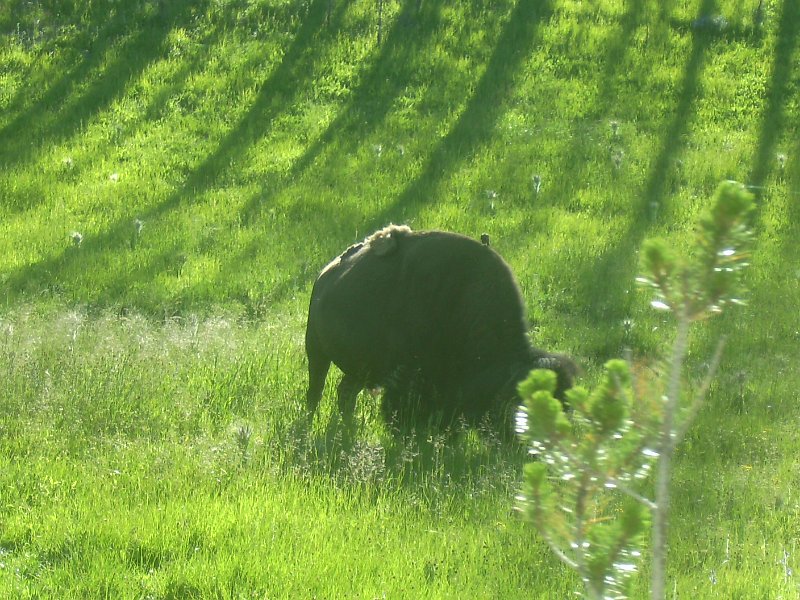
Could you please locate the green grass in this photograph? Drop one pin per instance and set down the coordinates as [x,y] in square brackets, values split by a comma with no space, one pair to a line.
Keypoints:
[173,460]
[214,155]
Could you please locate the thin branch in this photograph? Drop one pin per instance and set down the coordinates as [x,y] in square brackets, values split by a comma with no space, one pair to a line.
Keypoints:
[664,466]
[630,492]
[700,397]
[580,514]
[562,556]
[605,479]
[539,522]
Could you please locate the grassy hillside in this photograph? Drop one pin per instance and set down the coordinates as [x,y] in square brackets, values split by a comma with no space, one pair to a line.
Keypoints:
[173,175]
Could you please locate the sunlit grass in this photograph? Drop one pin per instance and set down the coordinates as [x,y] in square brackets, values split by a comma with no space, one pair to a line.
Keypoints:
[129,434]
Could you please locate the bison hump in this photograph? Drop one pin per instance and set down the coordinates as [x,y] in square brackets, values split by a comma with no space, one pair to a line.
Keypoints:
[384,241]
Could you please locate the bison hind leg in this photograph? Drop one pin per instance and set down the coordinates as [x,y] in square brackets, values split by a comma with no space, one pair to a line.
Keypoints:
[348,390]
[406,398]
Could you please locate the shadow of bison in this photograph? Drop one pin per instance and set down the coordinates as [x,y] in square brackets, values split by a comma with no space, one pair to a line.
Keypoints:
[434,318]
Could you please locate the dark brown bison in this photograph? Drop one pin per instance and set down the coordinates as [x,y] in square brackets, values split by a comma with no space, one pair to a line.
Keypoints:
[434,318]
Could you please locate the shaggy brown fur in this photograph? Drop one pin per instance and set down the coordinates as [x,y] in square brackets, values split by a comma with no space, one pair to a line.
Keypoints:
[435,318]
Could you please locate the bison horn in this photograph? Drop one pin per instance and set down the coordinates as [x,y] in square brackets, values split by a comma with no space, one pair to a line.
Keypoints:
[548,362]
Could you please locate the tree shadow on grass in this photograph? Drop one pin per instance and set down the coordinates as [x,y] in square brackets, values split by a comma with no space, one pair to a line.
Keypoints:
[572,171]
[372,100]
[174,84]
[793,190]
[612,275]
[604,104]
[609,278]
[369,103]
[60,112]
[272,97]
[475,126]
[278,92]
[767,176]
[780,88]
[603,283]
[654,198]
[783,270]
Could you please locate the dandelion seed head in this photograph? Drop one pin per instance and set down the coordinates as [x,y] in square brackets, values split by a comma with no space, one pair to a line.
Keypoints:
[660,305]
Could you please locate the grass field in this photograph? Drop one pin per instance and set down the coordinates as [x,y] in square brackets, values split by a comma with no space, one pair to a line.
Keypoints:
[173,175]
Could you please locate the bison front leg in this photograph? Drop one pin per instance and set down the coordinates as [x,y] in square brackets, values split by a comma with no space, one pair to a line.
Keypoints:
[348,390]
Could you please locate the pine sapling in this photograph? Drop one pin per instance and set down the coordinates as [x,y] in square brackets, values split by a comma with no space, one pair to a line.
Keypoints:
[584,492]
[692,288]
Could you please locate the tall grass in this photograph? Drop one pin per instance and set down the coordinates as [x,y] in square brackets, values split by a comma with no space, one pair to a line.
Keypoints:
[172,459]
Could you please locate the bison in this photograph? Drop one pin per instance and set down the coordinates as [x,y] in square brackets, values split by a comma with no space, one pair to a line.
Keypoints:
[435,318]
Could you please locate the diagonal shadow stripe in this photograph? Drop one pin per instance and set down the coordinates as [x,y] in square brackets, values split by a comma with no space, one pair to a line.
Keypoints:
[476,124]
[473,129]
[367,107]
[271,99]
[371,99]
[64,111]
[294,65]
[616,268]
[672,142]
[779,92]
[569,175]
